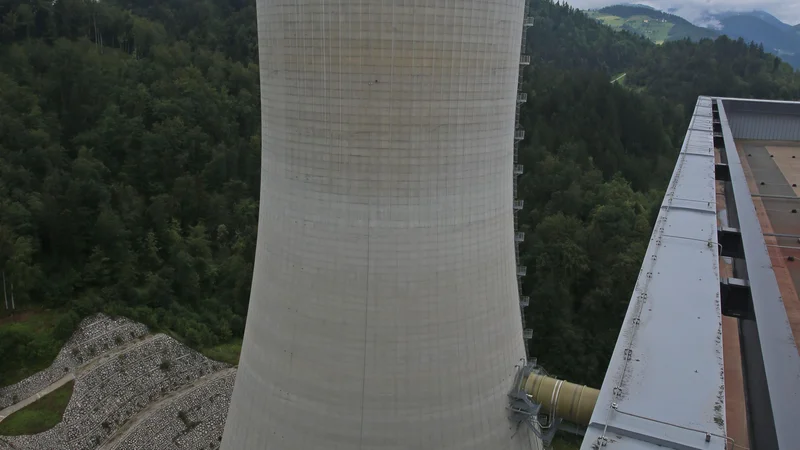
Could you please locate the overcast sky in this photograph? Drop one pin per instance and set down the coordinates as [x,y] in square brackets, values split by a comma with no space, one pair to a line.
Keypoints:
[786,10]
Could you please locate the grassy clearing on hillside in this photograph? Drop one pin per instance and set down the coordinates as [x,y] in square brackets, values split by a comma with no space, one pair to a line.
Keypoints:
[29,341]
[227,352]
[653,29]
[610,20]
[40,415]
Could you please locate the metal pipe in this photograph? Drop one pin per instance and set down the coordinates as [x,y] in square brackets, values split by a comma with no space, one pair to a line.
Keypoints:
[782,235]
[784,197]
[573,402]
[784,247]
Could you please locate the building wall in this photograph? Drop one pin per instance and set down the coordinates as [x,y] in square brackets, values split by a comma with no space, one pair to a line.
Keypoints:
[765,127]
[384,310]
[766,121]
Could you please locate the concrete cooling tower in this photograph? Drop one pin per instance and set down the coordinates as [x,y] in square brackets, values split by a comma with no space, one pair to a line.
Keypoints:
[384,312]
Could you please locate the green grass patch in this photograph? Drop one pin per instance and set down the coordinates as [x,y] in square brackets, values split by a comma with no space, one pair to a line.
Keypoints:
[40,415]
[654,29]
[619,78]
[29,341]
[227,352]
[566,441]
[607,19]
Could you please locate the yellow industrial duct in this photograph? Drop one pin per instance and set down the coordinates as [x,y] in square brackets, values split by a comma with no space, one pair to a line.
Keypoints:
[573,402]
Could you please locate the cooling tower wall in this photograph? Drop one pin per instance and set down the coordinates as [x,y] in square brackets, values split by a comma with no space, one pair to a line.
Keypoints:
[384,310]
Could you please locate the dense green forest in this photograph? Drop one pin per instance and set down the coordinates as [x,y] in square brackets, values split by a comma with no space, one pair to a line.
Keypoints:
[129,165]
[130,154]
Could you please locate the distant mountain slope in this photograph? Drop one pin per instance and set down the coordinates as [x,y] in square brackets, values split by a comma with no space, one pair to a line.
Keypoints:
[769,18]
[758,26]
[762,15]
[655,25]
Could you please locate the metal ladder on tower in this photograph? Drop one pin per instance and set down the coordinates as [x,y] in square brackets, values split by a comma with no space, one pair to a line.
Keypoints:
[519,135]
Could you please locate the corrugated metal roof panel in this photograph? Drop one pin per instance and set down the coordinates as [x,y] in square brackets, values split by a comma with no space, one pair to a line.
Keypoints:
[764,127]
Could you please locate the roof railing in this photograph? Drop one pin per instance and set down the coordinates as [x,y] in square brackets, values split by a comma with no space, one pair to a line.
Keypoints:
[528,21]
[527,333]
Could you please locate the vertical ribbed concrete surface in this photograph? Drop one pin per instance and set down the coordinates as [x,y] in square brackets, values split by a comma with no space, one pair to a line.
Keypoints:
[384,310]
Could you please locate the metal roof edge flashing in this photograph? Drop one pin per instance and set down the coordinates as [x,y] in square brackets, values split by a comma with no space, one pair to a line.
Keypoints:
[664,386]
[781,361]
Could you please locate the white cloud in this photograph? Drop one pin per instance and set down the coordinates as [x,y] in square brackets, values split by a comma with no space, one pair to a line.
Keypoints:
[692,10]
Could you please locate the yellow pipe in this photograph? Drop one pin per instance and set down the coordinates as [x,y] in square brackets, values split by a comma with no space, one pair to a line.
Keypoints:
[574,402]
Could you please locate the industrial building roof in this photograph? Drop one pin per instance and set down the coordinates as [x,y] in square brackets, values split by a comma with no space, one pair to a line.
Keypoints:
[665,385]
[775,381]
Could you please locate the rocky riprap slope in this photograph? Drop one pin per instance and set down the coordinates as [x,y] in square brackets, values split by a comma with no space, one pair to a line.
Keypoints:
[96,336]
[194,419]
[132,391]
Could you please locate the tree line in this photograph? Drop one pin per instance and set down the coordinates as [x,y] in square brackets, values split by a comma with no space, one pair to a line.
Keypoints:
[129,164]
[130,156]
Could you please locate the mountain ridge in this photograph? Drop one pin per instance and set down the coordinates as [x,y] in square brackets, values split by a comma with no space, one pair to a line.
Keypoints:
[761,27]
[757,13]
[757,26]
[656,25]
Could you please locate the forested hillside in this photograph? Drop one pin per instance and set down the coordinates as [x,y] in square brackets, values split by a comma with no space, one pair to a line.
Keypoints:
[130,154]
[597,158]
[129,165]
